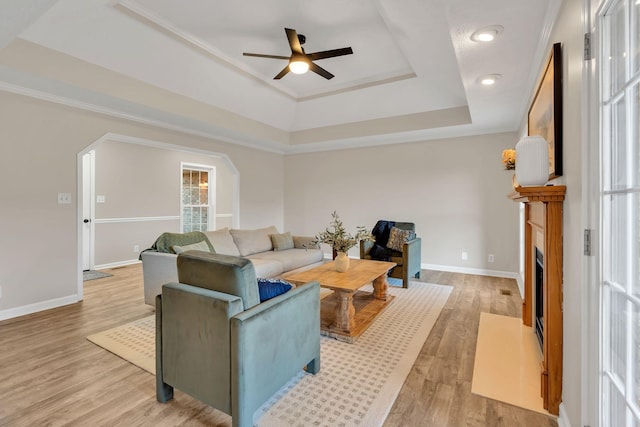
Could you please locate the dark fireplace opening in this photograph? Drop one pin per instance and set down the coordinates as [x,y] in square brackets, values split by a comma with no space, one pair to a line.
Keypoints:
[539,298]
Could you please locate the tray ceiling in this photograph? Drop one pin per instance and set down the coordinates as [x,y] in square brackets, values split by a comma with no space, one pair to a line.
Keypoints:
[414,73]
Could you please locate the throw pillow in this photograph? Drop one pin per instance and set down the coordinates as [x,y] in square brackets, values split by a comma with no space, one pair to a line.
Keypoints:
[271,288]
[282,241]
[398,237]
[200,246]
[222,242]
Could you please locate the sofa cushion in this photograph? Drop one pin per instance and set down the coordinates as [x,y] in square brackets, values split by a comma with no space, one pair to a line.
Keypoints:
[200,246]
[291,258]
[266,267]
[271,288]
[398,237]
[253,241]
[222,242]
[282,242]
[223,273]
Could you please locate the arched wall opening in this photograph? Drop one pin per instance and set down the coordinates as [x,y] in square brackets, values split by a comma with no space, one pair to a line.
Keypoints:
[135,196]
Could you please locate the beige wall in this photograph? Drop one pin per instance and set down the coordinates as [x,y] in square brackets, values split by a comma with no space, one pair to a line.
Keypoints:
[568,31]
[455,190]
[40,142]
[138,182]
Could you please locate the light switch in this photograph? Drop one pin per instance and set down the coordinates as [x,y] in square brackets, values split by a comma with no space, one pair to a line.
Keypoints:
[64,198]
[100,199]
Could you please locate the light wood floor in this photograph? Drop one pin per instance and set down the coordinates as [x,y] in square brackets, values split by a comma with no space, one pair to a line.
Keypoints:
[51,375]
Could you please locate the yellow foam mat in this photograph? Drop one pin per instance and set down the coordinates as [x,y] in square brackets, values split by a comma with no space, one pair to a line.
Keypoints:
[508,362]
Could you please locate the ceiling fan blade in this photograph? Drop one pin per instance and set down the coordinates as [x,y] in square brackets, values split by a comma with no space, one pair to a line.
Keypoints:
[329,53]
[319,70]
[259,55]
[282,73]
[294,42]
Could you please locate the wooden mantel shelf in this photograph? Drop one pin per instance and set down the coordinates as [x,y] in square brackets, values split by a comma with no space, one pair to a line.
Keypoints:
[543,231]
[548,193]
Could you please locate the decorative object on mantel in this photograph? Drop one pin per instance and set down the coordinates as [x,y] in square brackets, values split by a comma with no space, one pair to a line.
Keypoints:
[533,161]
[545,113]
[340,241]
[509,159]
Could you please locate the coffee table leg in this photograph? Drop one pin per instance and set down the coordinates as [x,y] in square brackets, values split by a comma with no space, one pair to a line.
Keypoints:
[380,286]
[345,311]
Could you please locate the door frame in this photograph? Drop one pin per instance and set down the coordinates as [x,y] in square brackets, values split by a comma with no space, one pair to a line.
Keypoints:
[88,209]
[591,219]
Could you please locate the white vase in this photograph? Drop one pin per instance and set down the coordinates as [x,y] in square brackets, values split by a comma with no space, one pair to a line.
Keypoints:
[532,161]
[342,262]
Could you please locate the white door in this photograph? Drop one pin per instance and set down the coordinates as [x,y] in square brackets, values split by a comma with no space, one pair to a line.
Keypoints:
[619,296]
[88,165]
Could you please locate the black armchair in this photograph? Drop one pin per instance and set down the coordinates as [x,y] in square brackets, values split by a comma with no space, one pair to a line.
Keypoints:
[404,249]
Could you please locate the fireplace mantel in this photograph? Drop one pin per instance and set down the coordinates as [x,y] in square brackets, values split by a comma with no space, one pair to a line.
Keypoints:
[543,230]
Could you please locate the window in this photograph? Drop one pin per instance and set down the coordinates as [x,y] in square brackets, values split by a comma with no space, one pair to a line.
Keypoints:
[620,204]
[198,188]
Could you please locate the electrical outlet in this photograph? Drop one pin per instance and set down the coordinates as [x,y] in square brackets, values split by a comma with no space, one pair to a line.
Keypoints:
[101,199]
[465,256]
[490,258]
[136,248]
[64,198]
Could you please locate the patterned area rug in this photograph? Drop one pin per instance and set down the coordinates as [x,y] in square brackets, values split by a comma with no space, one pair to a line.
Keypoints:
[357,383]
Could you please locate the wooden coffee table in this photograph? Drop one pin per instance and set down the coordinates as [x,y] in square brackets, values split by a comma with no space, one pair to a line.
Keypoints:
[347,313]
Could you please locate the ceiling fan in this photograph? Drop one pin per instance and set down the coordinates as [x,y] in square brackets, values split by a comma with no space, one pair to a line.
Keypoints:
[300,61]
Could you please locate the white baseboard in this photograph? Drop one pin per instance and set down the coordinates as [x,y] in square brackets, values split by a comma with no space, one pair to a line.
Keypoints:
[10,313]
[520,281]
[563,419]
[117,264]
[466,270]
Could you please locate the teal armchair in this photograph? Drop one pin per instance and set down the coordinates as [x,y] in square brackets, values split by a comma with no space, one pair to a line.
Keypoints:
[216,342]
[408,256]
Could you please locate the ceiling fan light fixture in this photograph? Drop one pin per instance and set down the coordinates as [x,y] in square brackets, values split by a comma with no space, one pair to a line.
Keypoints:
[298,66]
[300,62]
[487,34]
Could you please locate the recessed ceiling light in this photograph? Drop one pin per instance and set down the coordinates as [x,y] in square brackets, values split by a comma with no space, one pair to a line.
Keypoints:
[487,34]
[489,79]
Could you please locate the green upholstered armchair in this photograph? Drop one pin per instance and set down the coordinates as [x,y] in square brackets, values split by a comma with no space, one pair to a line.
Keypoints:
[216,342]
[408,259]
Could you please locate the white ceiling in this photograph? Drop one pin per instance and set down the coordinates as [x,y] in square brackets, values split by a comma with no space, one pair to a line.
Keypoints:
[413,75]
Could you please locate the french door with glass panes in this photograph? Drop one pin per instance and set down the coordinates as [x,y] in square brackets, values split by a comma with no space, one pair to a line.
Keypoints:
[197,198]
[619,58]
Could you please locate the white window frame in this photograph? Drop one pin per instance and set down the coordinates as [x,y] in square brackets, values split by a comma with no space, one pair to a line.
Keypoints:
[600,382]
[211,170]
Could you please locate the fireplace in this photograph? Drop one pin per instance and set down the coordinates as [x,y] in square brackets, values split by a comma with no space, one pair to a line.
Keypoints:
[542,293]
[539,297]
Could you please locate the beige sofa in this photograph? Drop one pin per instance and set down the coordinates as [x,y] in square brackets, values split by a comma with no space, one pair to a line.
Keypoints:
[257,245]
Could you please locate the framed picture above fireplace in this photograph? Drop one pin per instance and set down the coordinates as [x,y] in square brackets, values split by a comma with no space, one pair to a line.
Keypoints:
[545,113]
